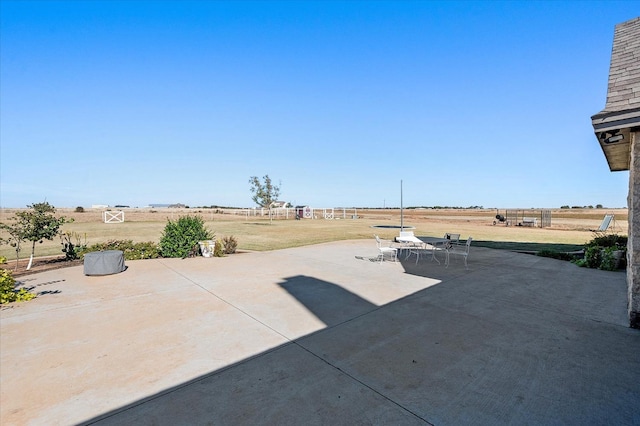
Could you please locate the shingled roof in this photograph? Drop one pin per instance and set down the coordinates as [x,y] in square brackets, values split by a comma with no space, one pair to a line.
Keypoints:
[621,114]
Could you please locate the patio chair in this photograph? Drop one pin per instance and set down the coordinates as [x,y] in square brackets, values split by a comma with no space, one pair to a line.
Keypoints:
[453,238]
[385,250]
[458,250]
[606,222]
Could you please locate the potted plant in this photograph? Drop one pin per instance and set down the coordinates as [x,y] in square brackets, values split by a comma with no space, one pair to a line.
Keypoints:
[606,252]
[207,248]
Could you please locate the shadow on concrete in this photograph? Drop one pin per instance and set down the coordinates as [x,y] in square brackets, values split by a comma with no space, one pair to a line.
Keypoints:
[285,385]
[542,343]
[329,302]
[529,247]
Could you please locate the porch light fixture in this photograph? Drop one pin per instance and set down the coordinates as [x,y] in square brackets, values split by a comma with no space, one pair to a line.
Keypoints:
[613,139]
[614,136]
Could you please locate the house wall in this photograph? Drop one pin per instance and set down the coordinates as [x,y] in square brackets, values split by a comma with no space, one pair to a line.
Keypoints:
[633,247]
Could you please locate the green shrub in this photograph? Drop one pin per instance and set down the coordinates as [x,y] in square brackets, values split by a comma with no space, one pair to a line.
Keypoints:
[180,236]
[79,209]
[230,244]
[72,245]
[609,240]
[593,256]
[218,250]
[131,250]
[581,262]
[610,260]
[8,291]
[600,252]
[555,254]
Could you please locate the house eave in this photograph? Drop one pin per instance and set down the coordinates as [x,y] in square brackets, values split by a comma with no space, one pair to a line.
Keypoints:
[611,120]
[606,123]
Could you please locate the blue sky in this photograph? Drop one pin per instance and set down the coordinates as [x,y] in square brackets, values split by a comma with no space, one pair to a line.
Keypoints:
[468,103]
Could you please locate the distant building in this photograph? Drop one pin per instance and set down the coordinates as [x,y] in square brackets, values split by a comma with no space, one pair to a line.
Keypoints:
[279,204]
[303,212]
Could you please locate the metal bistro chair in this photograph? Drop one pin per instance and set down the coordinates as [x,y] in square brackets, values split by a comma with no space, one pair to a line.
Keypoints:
[385,250]
[453,238]
[449,239]
[458,250]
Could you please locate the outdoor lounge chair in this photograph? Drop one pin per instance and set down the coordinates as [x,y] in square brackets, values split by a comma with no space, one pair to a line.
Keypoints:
[460,250]
[386,250]
[408,241]
[606,222]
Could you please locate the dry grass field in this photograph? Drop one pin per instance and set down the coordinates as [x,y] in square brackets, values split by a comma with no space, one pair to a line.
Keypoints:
[568,226]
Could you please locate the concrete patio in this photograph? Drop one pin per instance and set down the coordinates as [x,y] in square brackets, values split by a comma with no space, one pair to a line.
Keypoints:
[314,335]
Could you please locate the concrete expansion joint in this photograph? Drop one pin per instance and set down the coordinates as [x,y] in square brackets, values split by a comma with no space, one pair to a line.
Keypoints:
[297,342]
[361,382]
[228,303]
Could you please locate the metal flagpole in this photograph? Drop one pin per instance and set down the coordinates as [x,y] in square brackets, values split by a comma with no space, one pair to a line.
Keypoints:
[401,209]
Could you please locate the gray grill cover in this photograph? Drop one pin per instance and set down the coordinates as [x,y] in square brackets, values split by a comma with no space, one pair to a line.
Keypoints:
[104,262]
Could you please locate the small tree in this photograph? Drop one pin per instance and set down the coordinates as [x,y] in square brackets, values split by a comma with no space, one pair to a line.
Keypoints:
[264,194]
[16,236]
[38,224]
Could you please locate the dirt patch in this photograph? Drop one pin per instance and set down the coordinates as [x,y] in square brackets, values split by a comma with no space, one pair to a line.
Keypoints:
[41,264]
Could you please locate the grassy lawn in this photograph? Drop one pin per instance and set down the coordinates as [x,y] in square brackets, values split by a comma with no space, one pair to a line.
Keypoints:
[569,232]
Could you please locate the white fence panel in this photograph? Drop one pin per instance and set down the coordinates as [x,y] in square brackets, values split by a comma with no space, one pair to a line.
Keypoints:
[113,217]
